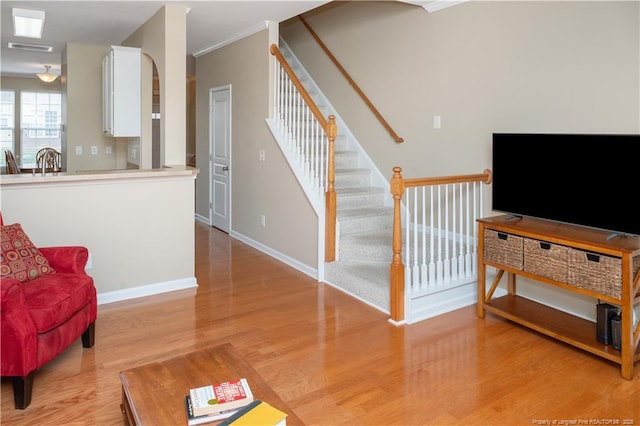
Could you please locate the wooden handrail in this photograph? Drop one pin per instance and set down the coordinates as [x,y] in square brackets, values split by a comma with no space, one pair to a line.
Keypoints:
[353,84]
[486,177]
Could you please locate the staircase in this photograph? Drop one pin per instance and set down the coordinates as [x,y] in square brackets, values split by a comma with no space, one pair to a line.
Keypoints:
[364,245]
[364,212]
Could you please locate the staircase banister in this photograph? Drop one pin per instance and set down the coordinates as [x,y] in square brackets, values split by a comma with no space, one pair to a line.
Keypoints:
[486,176]
[353,84]
[398,185]
[296,82]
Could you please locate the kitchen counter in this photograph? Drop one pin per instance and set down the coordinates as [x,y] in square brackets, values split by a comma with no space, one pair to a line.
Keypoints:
[95,175]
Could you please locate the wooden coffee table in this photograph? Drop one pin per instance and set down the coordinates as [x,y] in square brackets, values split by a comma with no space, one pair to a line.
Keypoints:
[153,394]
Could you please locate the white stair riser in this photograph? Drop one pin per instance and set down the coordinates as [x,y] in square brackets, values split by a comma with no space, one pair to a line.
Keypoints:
[346,160]
[341,143]
[349,180]
[369,199]
[357,252]
[363,224]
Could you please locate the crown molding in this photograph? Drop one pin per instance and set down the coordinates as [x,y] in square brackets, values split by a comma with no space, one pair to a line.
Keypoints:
[243,34]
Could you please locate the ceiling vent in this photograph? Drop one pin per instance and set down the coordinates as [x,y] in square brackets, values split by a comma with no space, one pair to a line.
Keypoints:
[32,47]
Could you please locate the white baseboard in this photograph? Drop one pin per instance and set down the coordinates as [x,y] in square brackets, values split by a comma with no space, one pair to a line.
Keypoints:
[146,290]
[434,304]
[305,269]
[202,219]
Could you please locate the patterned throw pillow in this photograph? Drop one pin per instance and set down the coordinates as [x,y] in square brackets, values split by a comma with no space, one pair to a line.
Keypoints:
[19,258]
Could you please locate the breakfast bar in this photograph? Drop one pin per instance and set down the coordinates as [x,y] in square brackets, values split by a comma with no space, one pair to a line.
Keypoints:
[137,224]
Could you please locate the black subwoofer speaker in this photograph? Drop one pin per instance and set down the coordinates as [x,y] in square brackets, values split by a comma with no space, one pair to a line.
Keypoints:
[605,312]
[615,332]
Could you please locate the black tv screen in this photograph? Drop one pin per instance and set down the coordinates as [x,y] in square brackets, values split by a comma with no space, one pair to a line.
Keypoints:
[583,179]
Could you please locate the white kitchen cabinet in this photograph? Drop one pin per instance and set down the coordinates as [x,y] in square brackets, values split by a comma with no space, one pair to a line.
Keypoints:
[121,91]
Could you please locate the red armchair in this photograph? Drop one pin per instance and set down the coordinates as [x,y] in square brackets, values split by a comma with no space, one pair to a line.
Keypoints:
[42,315]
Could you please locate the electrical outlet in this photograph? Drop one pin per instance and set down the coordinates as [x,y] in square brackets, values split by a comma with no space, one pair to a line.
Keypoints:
[79,150]
[436,122]
[109,150]
[262,155]
[263,220]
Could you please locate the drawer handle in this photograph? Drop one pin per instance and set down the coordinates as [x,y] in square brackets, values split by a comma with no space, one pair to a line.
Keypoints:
[593,257]
[545,246]
[503,236]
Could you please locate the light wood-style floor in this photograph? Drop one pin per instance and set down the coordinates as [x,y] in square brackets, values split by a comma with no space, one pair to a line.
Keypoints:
[333,359]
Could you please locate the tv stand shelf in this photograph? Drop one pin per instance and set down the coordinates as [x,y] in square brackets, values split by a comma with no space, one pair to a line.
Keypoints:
[541,250]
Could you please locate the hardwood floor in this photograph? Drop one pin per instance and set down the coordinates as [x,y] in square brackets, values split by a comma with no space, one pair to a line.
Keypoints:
[333,359]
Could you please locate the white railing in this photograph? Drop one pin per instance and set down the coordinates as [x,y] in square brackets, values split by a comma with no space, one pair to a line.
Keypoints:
[307,140]
[440,234]
[437,232]
[304,137]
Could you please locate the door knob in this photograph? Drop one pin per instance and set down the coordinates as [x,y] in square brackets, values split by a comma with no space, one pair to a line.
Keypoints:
[225,168]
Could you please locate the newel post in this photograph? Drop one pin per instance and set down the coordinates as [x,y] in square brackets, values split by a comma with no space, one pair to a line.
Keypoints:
[330,195]
[397,267]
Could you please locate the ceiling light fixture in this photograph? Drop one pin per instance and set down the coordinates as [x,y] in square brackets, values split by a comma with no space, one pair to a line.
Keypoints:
[46,76]
[27,23]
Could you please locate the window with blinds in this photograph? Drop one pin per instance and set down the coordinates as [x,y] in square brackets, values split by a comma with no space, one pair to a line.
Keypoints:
[40,123]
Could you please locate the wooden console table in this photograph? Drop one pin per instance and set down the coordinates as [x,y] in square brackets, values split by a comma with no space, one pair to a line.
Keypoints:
[153,394]
[574,258]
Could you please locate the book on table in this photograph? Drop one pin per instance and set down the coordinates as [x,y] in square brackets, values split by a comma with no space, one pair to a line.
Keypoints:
[256,413]
[219,397]
[193,420]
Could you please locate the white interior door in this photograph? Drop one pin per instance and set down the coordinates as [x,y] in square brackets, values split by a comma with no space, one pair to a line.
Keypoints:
[220,157]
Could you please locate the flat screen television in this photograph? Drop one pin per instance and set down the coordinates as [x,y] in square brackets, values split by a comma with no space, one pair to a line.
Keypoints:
[590,180]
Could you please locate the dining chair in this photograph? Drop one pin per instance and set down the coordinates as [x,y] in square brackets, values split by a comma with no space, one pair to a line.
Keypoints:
[12,165]
[49,159]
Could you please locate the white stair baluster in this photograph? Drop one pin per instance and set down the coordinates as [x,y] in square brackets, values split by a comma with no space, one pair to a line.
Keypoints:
[454,238]
[447,257]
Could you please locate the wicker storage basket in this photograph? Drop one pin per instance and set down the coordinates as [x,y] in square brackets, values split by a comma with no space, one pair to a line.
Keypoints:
[635,266]
[546,259]
[595,272]
[504,249]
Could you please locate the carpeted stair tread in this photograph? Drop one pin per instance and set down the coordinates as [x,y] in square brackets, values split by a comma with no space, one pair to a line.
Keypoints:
[373,246]
[368,281]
